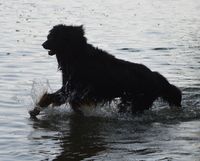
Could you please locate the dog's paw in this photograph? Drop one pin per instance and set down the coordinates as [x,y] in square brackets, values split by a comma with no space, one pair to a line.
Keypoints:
[33,113]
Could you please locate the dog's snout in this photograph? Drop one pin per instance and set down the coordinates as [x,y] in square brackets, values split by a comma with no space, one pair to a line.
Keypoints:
[44,45]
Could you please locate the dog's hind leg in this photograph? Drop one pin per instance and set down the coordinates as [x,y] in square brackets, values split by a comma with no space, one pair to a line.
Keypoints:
[123,105]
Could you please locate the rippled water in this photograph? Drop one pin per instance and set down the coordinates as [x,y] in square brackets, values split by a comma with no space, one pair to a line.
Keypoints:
[162,34]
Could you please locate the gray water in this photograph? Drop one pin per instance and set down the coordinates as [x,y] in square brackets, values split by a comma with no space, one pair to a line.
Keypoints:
[162,34]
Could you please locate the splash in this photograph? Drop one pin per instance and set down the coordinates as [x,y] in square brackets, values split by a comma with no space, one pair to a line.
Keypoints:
[160,112]
[39,88]
[37,91]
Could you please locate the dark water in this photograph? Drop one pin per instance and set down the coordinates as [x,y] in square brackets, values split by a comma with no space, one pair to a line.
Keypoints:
[162,34]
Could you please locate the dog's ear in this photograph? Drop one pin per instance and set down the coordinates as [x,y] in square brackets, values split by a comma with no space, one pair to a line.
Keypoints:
[77,36]
[80,30]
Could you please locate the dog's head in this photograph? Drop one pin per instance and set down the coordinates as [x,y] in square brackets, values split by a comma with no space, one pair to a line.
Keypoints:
[63,38]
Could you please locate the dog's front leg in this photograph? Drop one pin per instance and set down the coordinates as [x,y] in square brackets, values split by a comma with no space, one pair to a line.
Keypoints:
[75,105]
[44,102]
[56,99]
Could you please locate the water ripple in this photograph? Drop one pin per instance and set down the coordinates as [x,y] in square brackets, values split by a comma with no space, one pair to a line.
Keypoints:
[163,36]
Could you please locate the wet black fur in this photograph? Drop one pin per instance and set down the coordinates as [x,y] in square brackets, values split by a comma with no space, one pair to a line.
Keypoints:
[91,75]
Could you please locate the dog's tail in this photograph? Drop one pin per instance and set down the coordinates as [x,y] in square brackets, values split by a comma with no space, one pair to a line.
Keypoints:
[172,95]
[169,92]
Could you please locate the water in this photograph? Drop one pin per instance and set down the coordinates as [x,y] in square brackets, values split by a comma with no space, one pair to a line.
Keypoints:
[164,35]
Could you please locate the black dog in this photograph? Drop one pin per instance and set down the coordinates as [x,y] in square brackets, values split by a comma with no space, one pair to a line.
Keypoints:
[91,75]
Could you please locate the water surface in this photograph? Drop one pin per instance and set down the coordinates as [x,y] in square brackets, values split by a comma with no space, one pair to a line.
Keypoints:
[164,35]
